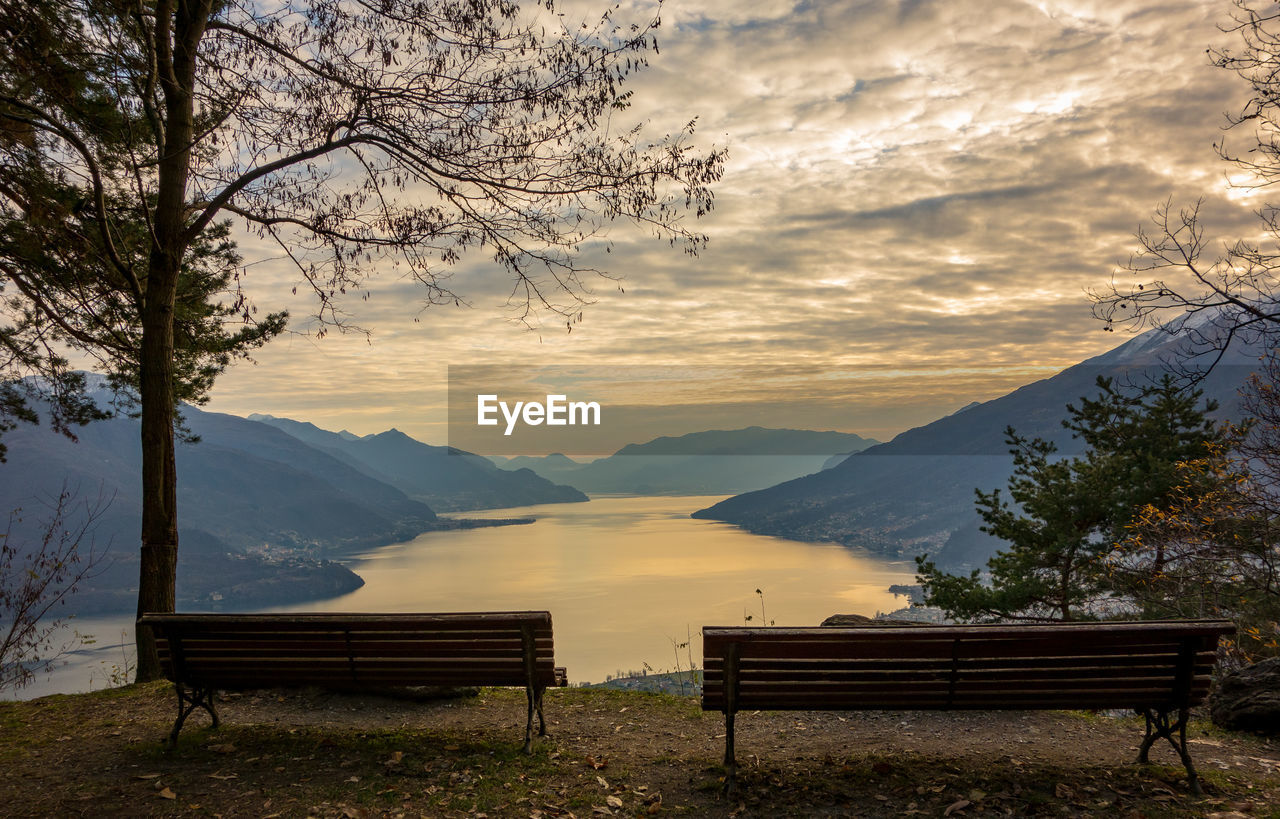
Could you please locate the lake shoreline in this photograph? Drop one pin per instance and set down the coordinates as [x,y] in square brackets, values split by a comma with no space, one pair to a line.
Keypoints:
[626,579]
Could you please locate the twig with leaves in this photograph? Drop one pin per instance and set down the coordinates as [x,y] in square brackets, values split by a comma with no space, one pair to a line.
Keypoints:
[35,580]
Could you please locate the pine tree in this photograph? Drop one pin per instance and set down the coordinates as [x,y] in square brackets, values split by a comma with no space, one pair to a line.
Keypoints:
[1063,516]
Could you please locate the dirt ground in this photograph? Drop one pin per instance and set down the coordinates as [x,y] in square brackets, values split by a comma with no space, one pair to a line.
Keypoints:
[609,753]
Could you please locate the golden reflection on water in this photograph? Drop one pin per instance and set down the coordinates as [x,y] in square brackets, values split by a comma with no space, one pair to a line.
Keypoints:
[623,578]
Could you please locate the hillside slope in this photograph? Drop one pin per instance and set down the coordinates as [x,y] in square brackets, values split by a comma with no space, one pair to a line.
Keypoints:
[915,494]
[446,478]
[703,463]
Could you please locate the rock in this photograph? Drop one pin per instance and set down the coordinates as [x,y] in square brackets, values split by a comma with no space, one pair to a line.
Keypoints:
[850,620]
[1248,699]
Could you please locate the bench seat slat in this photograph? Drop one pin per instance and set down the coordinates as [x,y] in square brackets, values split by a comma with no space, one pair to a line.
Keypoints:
[889,703]
[887,650]
[759,664]
[1027,686]
[931,693]
[1006,678]
[192,647]
[766,665]
[987,632]
[343,678]
[511,639]
[373,621]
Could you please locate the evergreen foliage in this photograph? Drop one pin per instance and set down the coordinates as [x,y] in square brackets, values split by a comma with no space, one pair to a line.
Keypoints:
[1063,516]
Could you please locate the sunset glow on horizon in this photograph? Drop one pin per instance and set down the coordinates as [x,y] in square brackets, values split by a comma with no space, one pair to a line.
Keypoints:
[918,195]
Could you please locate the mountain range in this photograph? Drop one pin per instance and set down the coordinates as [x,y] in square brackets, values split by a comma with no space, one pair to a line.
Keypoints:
[445,478]
[700,463]
[915,494]
[261,511]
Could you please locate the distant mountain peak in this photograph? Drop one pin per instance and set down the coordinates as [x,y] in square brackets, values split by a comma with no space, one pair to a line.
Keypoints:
[753,440]
[447,479]
[915,494]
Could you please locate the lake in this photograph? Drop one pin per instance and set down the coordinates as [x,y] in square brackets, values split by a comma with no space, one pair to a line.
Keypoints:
[626,579]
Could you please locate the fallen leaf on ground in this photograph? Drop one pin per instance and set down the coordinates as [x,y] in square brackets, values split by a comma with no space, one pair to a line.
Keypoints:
[167,794]
[959,804]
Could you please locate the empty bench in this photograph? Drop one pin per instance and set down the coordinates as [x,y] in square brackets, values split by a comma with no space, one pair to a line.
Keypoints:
[1158,668]
[204,653]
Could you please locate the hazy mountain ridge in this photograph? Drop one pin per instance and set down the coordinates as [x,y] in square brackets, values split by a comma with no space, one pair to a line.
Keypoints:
[915,494]
[258,510]
[445,478]
[709,462]
[752,440]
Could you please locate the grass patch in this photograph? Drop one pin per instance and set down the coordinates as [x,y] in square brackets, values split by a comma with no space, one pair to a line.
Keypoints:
[631,753]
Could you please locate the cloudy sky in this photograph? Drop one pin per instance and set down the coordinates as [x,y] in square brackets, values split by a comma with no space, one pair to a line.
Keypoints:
[918,195]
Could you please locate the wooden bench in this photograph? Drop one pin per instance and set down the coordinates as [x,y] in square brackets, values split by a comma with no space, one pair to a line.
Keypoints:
[1158,668]
[202,653]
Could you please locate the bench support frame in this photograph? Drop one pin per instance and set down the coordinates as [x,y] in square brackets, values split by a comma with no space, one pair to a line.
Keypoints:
[730,709]
[189,699]
[1159,725]
[533,689]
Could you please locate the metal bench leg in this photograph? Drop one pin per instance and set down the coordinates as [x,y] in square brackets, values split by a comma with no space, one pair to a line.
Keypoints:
[189,701]
[542,721]
[1151,736]
[528,726]
[730,759]
[1158,725]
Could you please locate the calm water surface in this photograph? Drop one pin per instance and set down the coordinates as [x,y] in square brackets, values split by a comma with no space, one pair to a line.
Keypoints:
[625,578]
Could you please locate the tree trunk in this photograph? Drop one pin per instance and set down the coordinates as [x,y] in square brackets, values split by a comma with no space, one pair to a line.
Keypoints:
[159,566]
[178,32]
